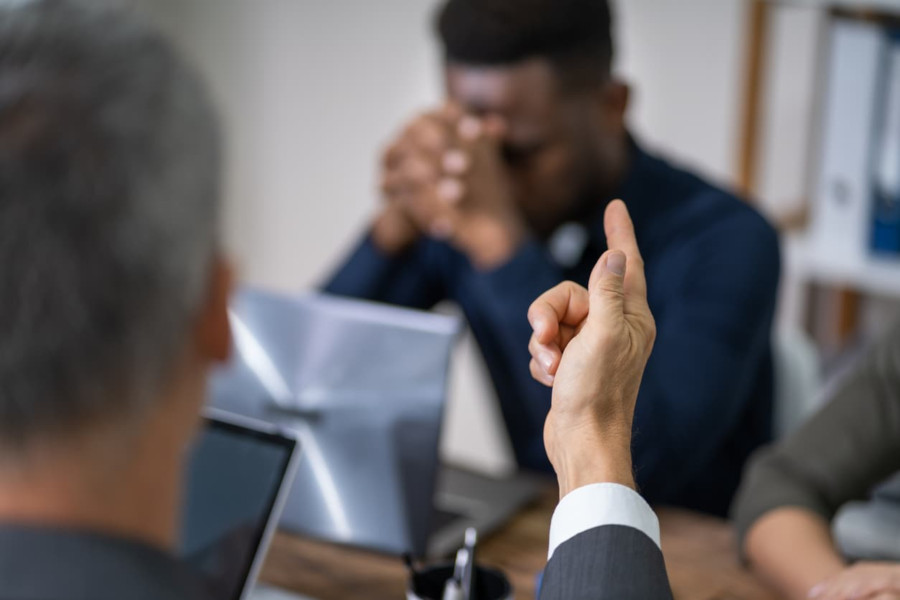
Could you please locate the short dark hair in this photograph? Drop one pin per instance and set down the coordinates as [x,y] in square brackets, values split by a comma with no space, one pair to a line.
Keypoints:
[575,35]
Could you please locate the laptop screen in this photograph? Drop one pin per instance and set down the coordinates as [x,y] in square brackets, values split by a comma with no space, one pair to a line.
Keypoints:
[234,477]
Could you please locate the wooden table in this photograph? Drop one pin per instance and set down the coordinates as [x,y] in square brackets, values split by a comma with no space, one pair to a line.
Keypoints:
[699,553]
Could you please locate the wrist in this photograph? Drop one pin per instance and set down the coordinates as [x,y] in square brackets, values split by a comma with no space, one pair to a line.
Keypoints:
[606,467]
[493,242]
[393,232]
[593,455]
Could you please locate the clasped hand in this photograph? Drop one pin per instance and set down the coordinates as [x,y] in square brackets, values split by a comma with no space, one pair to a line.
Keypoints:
[445,177]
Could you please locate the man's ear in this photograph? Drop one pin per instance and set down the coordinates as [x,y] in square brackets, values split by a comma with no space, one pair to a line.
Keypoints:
[213,329]
[617,95]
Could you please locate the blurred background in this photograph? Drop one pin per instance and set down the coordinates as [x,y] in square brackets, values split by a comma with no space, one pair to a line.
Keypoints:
[738,90]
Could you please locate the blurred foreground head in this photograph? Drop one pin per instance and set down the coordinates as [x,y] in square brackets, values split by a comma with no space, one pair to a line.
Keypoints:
[545,68]
[109,209]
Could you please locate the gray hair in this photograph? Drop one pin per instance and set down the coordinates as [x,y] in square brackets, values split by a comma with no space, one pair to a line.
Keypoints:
[109,209]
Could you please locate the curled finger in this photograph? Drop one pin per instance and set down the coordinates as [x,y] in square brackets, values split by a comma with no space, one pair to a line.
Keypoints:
[539,374]
[547,355]
[566,304]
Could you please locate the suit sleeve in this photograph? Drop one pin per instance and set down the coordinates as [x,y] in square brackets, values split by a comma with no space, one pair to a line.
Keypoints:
[848,447]
[604,543]
[713,334]
[610,562]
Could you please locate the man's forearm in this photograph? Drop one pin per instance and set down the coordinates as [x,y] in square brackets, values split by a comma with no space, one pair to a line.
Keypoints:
[791,548]
[592,454]
[393,233]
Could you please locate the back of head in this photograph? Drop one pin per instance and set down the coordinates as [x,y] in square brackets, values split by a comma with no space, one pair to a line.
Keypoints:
[109,175]
[575,35]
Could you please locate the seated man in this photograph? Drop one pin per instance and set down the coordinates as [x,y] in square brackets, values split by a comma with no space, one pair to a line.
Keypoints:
[793,490]
[114,307]
[499,196]
[113,301]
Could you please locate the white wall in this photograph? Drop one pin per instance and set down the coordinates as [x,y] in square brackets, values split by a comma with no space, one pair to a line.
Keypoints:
[685,59]
[311,89]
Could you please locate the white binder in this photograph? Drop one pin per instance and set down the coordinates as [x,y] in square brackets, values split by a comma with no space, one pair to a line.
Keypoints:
[841,218]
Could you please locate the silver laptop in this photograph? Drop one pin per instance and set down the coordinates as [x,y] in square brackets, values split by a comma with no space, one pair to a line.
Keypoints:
[237,480]
[363,386]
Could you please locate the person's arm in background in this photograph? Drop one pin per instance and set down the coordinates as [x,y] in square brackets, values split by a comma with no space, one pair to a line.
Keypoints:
[604,539]
[792,490]
[793,551]
[405,276]
[712,336]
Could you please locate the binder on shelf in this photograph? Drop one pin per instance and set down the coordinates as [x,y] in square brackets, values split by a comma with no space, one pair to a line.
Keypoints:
[885,239]
[842,207]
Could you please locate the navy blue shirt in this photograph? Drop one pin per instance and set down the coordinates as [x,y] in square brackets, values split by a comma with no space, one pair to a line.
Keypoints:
[712,265]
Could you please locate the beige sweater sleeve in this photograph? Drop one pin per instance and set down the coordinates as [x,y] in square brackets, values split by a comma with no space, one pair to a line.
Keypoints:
[851,445]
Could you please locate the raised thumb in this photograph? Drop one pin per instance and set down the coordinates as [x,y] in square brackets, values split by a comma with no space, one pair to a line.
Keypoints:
[607,286]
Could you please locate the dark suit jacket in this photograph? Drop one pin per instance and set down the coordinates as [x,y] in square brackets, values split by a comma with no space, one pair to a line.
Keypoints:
[607,563]
[55,564]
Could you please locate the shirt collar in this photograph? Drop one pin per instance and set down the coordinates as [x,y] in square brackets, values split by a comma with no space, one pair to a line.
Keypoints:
[636,190]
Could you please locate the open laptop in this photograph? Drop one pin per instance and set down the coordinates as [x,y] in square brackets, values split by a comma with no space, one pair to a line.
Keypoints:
[237,480]
[363,387]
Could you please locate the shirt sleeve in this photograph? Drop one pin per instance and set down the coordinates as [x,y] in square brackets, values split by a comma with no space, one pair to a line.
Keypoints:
[597,505]
[409,279]
[840,454]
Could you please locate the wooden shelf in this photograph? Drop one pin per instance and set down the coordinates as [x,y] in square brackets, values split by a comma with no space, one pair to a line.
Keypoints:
[878,277]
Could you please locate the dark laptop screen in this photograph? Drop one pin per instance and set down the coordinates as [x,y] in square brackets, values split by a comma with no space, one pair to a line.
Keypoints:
[233,478]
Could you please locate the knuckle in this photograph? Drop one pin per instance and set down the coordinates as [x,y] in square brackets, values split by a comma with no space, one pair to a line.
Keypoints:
[540,311]
[612,288]
[567,289]
[650,328]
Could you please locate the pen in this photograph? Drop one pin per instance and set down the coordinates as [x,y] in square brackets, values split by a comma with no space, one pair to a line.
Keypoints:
[452,589]
[469,569]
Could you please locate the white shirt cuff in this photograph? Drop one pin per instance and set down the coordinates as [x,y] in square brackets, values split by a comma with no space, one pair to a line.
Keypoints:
[601,504]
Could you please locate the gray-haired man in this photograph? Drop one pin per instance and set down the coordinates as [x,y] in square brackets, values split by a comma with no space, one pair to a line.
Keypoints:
[113,307]
[113,301]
